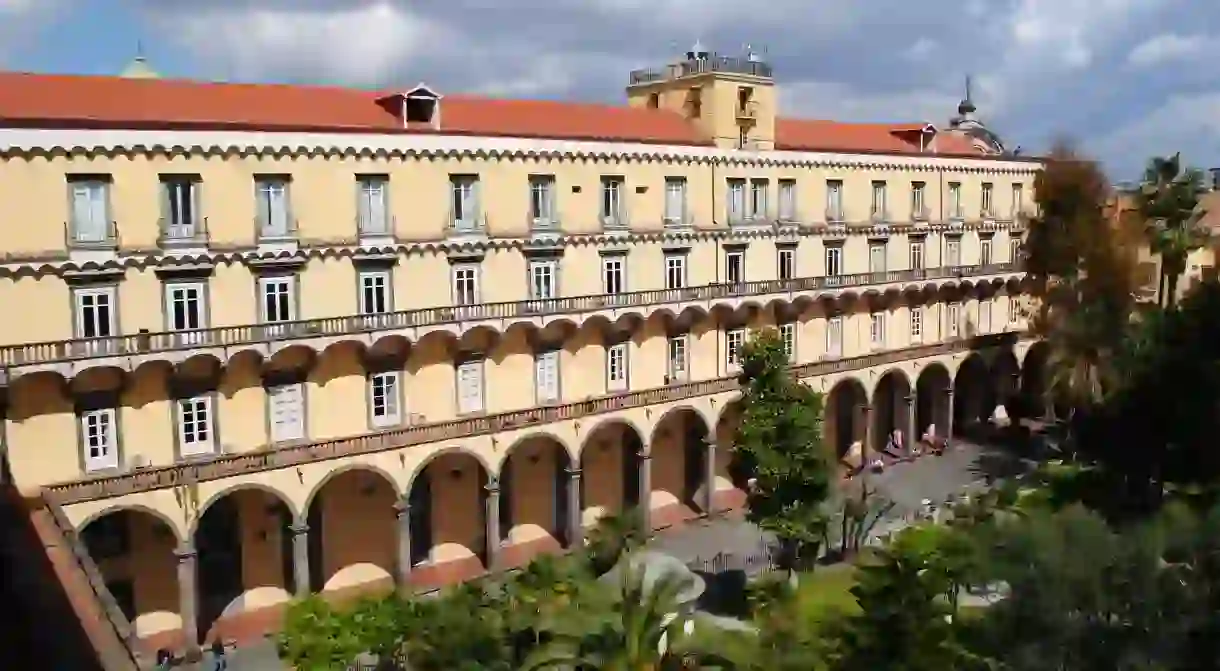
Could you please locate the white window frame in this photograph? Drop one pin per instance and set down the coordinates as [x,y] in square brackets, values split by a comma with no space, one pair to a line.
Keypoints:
[675,271]
[985,251]
[1014,309]
[787,200]
[734,341]
[373,204]
[834,336]
[984,315]
[834,260]
[385,399]
[1018,197]
[611,205]
[542,200]
[876,257]
[289,282]
[788,336]
[614,274]
[955,200]
[735,264]
[916,324]
[916,256]
[618,367]
[478,402]
[465,281]
[1014,250]
[878,209]
[876,329]
[99,429]
[834,200]
[299,390]
[464,202]
[919,208]
[547,377]
[91,196]
[85,305]
[188,425]
[785,263]
[543,279]
[274,205]
[180,202]
[368,282]
[178,293]
[758,205]
[987,200]
[737,200]
[953,252]
[953,319]
[675,201]
[677,355]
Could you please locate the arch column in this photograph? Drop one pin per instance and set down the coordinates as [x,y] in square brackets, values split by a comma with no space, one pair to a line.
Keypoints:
[491,519]
[866,421]
[402,514]
[709,476]
[644,464]
[188,596]
[576,527]
[300,557]
[911,437]
[951,413]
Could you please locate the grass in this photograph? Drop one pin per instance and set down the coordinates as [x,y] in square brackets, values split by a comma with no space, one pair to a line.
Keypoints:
[826,592]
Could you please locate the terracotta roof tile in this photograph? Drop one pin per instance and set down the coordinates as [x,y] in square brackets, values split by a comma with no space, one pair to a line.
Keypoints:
[40,100]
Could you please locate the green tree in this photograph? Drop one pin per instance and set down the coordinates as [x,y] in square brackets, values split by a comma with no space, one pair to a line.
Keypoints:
[779,441]
[1169,205]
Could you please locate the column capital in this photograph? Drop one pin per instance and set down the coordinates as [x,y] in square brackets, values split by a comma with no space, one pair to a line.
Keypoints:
[909,399]
[492,488]
[949,390]
[402,507]
[644,455]
[299,528]
[574,473]
[185,553]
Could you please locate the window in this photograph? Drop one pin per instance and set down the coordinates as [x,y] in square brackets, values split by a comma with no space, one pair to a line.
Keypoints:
[1018,197]
[736,200]
[876,257]
[876,330]
[465,284]
[375,292]
[1014,250]
[194,418]
[988,206]
[985,251]
[274,220]
[985,315]
[916,323]
[542,201]
[953,316]
[614,273]
[953,252]
[185,309]
[95,312]
[878,209]
[279,300]
[834,261]
[758,200]
[179,207]
[90,214]
[955,200]
[677,358]
[99,438]
[372,204]
[834,200]
[546,377]
[916,255]
[787,335]
[675,201]
[786,262]
[735,266]
[286,412]
[470,387]
[464,202]
[787,200]
[613,210]
[544,279]
[834,337]
[743,137]
[675,271]
[918,211]
[385,399]
[616,367]
[734,339]
[1014,310]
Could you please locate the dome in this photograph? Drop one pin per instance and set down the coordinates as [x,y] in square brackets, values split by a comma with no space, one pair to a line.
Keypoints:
[139,68]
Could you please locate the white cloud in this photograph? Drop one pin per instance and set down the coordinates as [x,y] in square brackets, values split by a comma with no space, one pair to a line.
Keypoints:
[1170,47]
[1186,123]
[21,22]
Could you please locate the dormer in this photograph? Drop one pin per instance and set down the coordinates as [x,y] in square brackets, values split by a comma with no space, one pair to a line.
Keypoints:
[418,108]
[916,135]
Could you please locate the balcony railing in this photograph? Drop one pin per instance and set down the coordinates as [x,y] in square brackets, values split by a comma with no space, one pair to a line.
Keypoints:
[227,336]
[104,238]
[268,232]
[254,461]
[183,234]
[470,225]
[698,66]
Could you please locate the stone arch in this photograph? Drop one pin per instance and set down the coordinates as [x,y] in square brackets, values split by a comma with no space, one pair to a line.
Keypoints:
[611,450]
[845,404]
[535,513]
[1006,382]
[932,401]
[678,447]
[448,508]
[531,437]
[352,527]
[133,547]
[731,470]
[444,451]
[973,396]
[237,488]
[1035,380]
[891,409]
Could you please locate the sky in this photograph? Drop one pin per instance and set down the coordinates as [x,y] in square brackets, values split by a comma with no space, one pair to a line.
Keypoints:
[1123,79]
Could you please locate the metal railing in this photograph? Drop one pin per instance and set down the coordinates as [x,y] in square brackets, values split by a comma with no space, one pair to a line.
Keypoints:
[76,238]
[713,63]
[271,233]
[179,234]
[227,336]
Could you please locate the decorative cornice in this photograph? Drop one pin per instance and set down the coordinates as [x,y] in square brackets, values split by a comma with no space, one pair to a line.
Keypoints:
[22,143]
[60,264]
[233,465]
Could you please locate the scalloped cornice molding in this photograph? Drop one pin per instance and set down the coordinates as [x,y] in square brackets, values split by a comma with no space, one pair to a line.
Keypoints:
[18,142]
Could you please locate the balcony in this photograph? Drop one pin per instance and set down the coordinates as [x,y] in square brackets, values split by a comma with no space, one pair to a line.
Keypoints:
[699,66]
[376,232]
[919,215]
[146,344]
[879,217]
[277,232]
[618,221]
[469,225]
[544,225]
[680,222]
[181,236]
[834,216]
[748,111]
[103,238]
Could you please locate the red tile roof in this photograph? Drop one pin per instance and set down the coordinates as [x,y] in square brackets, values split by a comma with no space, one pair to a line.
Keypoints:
[76,101]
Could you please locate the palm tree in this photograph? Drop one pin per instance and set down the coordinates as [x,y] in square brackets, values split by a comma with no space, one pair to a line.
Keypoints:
[635,633]
[1169,205]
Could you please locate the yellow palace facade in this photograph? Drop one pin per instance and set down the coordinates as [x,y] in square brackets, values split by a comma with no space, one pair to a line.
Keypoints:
[266,340]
